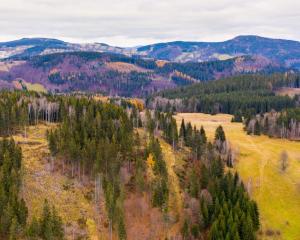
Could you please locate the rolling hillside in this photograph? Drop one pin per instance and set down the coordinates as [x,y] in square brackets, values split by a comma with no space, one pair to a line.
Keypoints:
[117,74]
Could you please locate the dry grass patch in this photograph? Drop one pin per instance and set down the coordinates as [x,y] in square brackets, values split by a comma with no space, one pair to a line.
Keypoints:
[172,159]
[37,87]
[161,63]
[124,67]
[69,196]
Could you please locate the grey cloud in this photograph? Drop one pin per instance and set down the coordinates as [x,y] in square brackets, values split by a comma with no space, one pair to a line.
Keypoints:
[134,22]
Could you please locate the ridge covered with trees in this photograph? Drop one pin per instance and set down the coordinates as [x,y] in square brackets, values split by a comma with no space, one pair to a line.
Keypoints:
[247,94]
[117,74]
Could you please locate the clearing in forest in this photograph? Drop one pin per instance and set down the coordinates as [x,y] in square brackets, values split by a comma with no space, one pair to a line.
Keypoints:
[277,193]
[73,200]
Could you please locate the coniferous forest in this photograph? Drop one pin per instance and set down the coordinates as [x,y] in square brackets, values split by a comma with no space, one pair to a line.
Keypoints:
[246,94]
[92,141]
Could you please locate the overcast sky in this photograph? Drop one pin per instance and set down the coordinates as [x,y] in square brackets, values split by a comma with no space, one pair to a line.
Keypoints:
[138,22]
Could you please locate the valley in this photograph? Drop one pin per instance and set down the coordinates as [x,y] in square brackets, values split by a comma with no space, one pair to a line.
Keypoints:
[112,168]
[149,120]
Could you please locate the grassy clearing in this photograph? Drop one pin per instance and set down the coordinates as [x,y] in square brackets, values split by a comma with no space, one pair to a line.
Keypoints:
[124,67]
[277,193]
[37,87]
[70,197]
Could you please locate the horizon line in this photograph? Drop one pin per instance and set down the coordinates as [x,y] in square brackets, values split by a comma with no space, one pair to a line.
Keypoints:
[82,41]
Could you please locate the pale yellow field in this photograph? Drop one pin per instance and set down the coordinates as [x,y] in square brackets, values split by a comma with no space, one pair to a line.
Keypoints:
[36,87]
[30,86]
[277,193]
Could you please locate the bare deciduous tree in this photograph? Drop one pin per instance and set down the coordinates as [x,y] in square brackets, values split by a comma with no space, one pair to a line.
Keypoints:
[284,161]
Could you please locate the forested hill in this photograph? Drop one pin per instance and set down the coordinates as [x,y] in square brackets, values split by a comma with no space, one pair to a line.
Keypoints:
[117,74]
[248,94]
[279,50]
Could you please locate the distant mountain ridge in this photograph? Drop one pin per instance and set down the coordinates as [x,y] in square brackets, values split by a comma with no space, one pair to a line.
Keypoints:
[30,47]
[59,66]
[286,52]
[280,51]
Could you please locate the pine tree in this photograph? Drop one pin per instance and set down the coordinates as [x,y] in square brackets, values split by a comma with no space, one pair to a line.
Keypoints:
[195,231]
[13,229]
[204,213]
[256,128]
[255,215]
[220,134]
[46,223]
[33,230]
[122,229]
[182,131]
[185,230]
[214,233]
[57,225]
[203,135]
[247,231]
[266,125]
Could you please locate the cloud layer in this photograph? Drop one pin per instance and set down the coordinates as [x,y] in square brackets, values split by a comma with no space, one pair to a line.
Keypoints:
[136,22]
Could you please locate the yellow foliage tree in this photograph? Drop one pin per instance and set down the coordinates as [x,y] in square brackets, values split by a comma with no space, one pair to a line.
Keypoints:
[138,103]
[150,161]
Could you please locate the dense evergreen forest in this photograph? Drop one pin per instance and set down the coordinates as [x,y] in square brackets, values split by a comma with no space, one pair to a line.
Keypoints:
[247,94]
[93,141]
[125,83]
[204,71]
[13,210]
[283,124]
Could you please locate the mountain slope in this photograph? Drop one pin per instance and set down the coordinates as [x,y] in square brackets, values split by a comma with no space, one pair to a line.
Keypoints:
[117,74]
[81,71]
[282,51]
